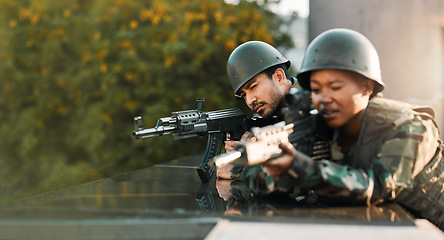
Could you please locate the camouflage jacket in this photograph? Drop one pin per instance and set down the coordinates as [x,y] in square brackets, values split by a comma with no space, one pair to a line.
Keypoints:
[397,156]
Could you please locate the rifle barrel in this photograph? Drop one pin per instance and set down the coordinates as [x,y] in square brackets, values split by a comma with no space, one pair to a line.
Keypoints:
[154,132]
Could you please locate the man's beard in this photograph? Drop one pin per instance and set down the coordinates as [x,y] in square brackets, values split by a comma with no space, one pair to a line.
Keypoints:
[275,103]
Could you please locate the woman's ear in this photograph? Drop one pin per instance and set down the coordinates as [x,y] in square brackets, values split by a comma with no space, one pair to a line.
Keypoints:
[369,86]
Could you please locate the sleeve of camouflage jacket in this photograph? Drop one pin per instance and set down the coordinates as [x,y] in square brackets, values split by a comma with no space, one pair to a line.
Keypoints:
[403,155]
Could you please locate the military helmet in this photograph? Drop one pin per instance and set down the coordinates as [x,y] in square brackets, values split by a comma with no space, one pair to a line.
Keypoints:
[342,49]
[250,59]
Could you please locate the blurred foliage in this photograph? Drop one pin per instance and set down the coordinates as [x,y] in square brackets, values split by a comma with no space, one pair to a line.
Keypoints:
[74,73]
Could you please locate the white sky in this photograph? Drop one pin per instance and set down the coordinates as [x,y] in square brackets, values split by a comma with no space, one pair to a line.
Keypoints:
[286,7]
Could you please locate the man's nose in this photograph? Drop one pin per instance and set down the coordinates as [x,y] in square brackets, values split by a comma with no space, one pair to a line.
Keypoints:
[249,100]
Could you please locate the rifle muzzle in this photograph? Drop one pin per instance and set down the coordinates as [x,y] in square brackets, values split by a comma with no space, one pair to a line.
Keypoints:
[153,132]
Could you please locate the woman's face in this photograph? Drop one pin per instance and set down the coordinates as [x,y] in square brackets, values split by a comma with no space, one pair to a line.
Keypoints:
[340,96]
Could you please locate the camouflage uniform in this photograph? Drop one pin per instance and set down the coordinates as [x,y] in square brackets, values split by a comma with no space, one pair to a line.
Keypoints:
[397,157]
[398,152]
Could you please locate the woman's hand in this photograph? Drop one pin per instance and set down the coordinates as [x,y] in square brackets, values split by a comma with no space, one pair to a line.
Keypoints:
[278,166]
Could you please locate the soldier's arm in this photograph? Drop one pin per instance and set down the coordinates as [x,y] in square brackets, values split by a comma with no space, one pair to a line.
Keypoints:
[393,169]
[231,171]
[325,177]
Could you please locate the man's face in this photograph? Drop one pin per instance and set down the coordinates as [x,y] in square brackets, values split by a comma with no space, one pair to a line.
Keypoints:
[262,94]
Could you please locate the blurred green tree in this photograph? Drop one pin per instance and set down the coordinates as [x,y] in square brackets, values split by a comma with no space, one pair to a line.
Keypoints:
[74,73]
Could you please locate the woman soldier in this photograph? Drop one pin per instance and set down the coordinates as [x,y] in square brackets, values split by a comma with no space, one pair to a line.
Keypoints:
[382,149]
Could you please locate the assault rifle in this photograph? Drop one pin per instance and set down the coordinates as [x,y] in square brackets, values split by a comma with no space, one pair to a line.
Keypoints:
[195,123]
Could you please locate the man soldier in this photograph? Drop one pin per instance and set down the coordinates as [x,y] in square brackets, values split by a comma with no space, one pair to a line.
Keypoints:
[258,74]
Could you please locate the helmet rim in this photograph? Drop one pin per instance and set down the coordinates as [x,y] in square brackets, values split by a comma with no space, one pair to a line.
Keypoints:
[341,49]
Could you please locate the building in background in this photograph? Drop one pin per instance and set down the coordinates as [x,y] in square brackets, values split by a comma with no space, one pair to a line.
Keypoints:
[298,29]
[409,37]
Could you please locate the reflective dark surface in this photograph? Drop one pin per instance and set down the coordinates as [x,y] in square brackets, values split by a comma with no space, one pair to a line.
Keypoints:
[165,190]
[166,201]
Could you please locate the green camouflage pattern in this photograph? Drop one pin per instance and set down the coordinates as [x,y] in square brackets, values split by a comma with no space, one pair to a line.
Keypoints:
[396,157]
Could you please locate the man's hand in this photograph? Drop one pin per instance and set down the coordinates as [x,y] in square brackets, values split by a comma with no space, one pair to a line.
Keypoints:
[229,144]
[278,166]
[224,171]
